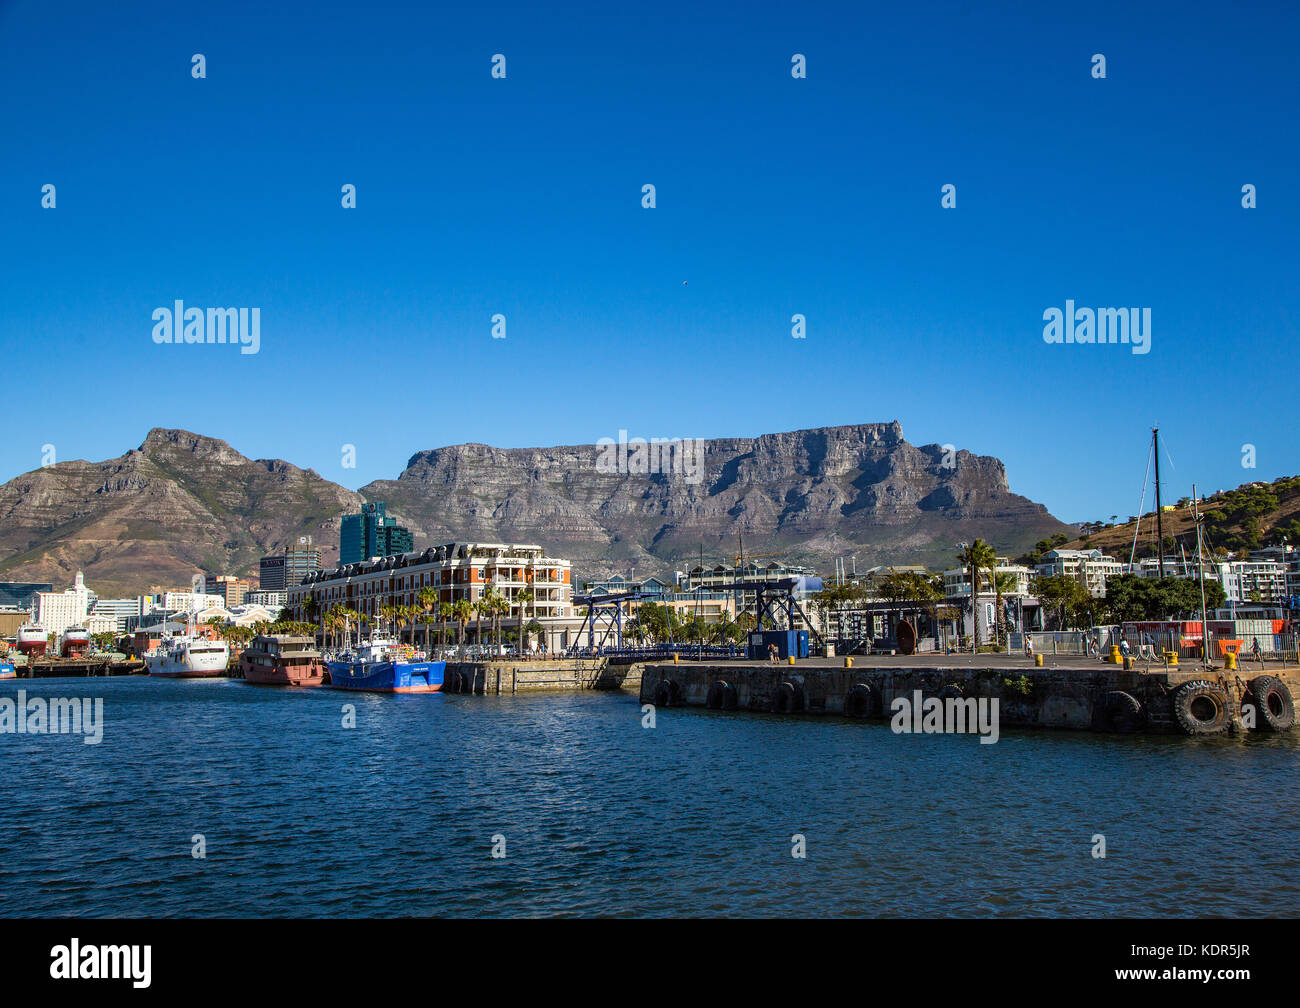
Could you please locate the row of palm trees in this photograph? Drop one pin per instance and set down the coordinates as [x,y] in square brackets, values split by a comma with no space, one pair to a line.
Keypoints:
[338,620]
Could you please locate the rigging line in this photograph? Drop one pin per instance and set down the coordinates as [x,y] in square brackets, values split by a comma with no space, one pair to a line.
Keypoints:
[1141,504]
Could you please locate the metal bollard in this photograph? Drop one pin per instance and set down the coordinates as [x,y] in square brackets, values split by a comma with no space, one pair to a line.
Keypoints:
[848,661]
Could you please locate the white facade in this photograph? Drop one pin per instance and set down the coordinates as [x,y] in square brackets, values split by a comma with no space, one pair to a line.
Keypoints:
[1244,578]
[956,580]
[273,600]
[1091,567]
[117,610]
[56,611]
[182,602]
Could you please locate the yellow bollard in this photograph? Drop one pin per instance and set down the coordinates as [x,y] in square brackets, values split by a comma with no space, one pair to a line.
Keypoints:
[675,662]
[1038,660]
[1230,661]
[848,662]
[1171,657]
[790,660]
[1114,654]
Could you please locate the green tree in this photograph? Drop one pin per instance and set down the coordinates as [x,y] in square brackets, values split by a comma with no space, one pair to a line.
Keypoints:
[977,557]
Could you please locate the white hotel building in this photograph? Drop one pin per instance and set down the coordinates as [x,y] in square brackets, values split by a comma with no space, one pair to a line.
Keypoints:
[56,611]
[457,572]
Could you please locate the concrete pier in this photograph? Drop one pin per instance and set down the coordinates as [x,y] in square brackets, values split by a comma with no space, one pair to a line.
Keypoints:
[1078,696]
[509,677]
[58,668]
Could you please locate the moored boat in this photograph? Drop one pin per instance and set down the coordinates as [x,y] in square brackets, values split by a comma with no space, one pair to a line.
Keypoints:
[282,660]
[189,657]
[74,643]
[381,665]
[32,640]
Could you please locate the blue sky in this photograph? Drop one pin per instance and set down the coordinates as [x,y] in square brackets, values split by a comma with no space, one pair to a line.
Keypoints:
[775,196]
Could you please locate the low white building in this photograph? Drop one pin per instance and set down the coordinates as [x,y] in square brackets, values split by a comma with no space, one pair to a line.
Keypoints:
[1091,567]
[956,580]
[117,610]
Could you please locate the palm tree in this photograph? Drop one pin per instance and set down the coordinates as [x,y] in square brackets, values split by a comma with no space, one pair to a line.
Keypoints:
[524,598]
[978,556]
[446,613]
[311,611]
[501,609]
[1003,583]
[462,611]
[428,602]
[480,610]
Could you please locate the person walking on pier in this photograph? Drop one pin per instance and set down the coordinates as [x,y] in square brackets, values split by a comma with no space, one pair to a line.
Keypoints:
[771,653]
[1029,646]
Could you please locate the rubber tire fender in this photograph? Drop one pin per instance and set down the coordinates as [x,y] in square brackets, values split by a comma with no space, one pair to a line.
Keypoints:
[1189,699]
[668,694]
[722,696]
[861,702]
[785,700]
[1274,708]
[1121,713]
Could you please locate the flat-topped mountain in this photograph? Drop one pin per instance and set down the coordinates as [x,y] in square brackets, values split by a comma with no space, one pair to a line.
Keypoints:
[810,495]
[182,502]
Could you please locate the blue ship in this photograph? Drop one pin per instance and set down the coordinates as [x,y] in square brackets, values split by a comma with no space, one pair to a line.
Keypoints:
[377,667]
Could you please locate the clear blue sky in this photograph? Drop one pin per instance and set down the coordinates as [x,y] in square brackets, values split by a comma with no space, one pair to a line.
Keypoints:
[775,196]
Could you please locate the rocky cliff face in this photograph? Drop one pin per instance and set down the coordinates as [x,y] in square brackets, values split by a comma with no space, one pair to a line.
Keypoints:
[183,503]
[159,514]
[811,494]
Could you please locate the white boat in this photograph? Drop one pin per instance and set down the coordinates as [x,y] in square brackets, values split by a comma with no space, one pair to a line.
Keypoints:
[74,643]
[32,640]
[189,657]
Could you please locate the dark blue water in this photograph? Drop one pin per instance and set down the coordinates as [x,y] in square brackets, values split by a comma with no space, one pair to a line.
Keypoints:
[601,816]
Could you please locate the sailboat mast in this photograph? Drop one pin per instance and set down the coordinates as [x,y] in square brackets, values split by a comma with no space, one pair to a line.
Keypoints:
[1200,570]
[1160,528]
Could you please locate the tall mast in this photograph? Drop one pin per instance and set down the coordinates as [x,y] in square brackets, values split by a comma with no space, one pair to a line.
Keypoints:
[1200,570]
[1160,528]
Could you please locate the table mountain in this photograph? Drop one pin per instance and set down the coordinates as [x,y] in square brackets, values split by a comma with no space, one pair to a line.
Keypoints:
[810,495]
[182,503]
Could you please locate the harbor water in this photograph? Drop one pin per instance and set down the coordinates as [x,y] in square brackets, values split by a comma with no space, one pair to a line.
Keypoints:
[298,815]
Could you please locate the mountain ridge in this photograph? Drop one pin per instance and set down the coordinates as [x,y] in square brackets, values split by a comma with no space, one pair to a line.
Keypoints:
[184,502]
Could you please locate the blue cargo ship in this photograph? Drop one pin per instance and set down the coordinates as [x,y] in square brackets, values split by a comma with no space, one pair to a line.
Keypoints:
[380,666]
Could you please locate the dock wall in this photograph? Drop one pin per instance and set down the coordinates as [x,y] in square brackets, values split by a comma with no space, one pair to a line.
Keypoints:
[1072,699]
[522,677]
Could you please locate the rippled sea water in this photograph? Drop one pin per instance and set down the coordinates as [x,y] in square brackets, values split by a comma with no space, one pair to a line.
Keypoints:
[303,817]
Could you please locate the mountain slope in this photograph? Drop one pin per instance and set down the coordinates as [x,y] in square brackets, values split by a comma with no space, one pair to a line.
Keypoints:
[157,515]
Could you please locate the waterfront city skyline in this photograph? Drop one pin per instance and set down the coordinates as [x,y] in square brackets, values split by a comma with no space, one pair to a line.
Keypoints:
[775,197]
